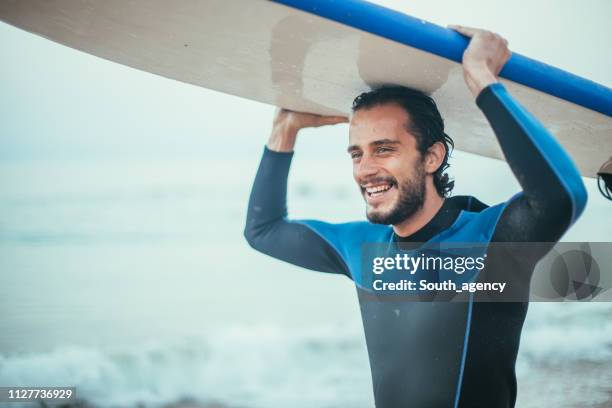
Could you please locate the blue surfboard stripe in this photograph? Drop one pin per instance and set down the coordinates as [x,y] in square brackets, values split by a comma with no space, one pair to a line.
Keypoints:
[449,44]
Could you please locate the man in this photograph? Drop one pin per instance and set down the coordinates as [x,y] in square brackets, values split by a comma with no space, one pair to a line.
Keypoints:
[428,354]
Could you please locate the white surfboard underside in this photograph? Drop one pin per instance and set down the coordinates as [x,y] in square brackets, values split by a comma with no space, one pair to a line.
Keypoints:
[278,55]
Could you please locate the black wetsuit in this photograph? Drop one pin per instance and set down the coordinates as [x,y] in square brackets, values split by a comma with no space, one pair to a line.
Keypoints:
[439,354]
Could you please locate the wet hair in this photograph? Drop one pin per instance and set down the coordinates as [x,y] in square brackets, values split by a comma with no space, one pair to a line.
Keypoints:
[425,122]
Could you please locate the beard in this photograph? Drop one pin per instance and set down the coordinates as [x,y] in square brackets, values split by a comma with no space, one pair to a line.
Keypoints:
[411,199]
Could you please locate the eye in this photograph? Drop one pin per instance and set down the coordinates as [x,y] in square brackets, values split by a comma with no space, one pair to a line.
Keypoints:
[383,149]
[355,155]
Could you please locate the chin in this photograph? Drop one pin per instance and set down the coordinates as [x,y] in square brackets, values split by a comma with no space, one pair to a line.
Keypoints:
[379,216]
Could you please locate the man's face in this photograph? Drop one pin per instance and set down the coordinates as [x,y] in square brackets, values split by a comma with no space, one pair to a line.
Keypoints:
[387,165]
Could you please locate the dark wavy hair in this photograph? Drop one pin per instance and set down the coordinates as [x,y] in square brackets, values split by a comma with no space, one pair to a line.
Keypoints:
[425,122]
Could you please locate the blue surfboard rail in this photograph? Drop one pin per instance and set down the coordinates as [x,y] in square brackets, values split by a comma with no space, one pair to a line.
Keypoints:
[449,44]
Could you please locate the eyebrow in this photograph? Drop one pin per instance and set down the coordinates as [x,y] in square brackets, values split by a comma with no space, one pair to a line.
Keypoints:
[379,142]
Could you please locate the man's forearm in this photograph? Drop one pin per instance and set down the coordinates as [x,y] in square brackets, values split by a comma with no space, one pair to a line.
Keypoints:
[550,181]
[287,124]
[282,139]
[268,200]
[553,193]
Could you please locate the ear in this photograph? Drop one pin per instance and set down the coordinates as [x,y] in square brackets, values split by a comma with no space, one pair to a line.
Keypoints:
[434,157]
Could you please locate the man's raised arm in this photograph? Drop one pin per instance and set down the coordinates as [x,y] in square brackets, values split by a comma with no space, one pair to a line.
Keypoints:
[267,228]
[553,194]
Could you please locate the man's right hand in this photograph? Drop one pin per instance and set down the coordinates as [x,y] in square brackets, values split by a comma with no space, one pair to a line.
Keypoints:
[287,124]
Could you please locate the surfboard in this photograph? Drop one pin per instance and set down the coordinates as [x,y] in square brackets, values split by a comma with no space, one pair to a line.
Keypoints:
[316,56]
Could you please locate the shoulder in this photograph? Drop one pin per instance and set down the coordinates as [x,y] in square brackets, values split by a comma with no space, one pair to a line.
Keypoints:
[477,221]
[348,238]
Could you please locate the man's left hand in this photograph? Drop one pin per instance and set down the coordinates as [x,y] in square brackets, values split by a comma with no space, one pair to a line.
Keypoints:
[483,58]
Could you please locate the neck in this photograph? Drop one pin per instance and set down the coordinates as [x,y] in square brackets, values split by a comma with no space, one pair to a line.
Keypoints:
[431,205]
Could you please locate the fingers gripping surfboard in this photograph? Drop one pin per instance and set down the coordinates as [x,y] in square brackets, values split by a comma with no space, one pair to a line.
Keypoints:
[316,56]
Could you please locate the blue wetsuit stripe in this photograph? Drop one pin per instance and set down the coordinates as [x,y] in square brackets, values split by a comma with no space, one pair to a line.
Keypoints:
[554,195]
[324,237]
[547,148]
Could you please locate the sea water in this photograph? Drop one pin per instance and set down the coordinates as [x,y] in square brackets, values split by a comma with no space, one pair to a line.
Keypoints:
[130,279]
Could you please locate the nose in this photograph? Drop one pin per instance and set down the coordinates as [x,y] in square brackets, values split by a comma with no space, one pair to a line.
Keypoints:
[365,169]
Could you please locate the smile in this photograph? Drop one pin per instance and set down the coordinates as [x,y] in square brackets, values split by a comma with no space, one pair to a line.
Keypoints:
[378,190]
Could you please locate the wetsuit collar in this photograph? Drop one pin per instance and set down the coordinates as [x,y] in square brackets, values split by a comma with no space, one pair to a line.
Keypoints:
[444,218]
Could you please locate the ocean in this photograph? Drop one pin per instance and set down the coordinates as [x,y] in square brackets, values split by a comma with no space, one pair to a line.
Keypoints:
[130,279]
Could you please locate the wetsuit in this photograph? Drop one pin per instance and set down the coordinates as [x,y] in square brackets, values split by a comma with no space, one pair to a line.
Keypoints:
[439,354]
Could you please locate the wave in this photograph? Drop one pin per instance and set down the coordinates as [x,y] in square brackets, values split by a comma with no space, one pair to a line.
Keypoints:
[574,331]
[245,367]
[268,366]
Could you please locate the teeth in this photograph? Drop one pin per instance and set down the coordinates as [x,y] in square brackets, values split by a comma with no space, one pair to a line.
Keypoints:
[378,189]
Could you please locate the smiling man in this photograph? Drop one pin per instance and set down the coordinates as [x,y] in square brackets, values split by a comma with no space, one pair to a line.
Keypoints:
[428,354]
[390,168]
